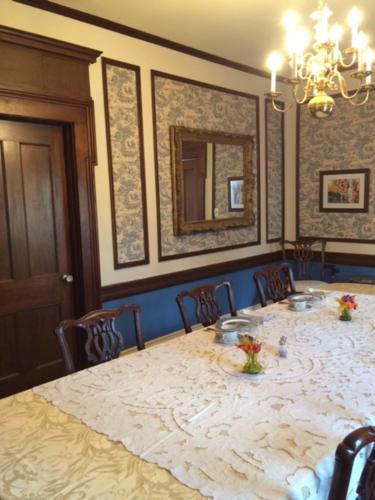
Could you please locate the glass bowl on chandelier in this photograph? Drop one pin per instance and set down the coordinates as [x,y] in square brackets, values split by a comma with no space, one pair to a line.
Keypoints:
[318,71]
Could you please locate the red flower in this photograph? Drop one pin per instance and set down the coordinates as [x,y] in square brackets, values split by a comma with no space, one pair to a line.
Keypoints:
[256,347]
[249,345]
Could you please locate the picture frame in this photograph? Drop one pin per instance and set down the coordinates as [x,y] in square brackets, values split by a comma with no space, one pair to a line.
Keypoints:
[344,190]
[235,194]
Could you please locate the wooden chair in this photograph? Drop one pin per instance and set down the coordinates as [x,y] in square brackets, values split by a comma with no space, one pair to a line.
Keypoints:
[103,342]
[274,282]
[345,455]
[207,309]
[303,254]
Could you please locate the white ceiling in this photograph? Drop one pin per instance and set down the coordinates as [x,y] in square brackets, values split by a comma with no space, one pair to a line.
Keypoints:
[244,31]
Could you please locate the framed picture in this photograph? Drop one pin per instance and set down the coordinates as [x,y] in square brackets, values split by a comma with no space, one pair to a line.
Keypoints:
[344,190]
[235,194]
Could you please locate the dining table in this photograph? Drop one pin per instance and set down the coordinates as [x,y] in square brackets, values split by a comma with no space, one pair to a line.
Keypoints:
[180,420]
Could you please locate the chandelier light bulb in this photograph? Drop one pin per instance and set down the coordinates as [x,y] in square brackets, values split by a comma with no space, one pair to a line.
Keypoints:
[362,40]
[290,20]
[274,61]
[336,33]
[354,17]
[354,20]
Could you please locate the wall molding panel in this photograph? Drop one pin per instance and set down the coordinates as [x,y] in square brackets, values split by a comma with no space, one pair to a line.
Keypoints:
[189,103]
[275,172]
[123,116]
[345,140]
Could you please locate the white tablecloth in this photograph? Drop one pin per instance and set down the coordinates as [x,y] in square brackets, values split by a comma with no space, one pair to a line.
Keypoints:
[186,406]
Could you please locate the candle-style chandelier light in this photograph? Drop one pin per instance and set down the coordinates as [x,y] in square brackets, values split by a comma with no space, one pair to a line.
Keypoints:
[320,70]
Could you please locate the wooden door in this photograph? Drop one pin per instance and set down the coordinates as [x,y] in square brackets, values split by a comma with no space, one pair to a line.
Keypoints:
[194,167]
[35,252]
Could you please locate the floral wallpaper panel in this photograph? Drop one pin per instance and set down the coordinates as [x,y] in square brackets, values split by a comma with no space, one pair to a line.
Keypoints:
[196,105]
[124,132]
[275,173]
[345,140]
[229,161]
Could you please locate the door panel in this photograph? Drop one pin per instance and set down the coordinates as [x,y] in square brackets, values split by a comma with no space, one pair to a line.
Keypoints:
[194,167]
[38,195]
[35,253]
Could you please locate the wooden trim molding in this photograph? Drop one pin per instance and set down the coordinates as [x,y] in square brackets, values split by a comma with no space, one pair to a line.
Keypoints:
[137,287]
[74,117]
[136,69]
[281,105]
[117,291]
[155,74]
[345,259]
[350,259]
[46,44]
[47,96]
[101,22]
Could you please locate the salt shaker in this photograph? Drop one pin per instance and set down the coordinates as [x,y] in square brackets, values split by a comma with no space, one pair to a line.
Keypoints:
[283,348]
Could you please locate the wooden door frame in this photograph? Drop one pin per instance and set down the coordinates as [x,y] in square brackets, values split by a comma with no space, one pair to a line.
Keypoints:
[75,117]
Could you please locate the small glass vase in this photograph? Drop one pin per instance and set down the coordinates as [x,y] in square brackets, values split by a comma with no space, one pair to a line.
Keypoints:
[345,315]
[252,365]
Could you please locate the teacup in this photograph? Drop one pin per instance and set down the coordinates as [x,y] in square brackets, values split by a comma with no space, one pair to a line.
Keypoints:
[298,304]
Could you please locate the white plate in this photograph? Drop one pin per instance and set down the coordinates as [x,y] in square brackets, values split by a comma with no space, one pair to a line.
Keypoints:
[237,323]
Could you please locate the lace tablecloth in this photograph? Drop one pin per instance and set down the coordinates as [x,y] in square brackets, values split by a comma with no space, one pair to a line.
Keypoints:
[185,405]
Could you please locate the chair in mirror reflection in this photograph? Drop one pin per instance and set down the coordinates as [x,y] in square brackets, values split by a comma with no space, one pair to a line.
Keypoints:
[102,340]
[274,283]
[346,453]
[204,299]
[303,254]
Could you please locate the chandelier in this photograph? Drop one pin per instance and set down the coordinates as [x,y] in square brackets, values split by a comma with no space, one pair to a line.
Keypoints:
[319,70]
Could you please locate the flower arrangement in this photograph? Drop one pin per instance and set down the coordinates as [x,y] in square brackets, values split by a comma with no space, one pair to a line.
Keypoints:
[347,304]
[251,347]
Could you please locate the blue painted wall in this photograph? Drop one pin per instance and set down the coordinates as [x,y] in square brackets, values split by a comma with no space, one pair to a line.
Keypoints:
[159,311]
[347,273]
[160,315]
[344,273]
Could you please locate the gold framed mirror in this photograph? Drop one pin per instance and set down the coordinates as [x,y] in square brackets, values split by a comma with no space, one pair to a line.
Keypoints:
[212,180]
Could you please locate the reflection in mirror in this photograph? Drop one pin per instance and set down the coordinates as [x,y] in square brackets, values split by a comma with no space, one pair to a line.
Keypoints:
[212,180]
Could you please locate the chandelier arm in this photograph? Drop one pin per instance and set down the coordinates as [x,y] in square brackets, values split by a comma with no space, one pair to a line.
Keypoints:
[305,92]
[303,71]
[281,110]
[364,100]
[343,88]
[344,64]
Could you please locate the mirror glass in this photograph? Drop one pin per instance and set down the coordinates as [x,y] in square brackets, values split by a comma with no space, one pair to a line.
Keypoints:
[212,180]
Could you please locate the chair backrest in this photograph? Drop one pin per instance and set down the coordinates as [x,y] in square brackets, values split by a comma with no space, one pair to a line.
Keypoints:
[207,309]
[103,341]
[274,282]
[344,459]
[303,254]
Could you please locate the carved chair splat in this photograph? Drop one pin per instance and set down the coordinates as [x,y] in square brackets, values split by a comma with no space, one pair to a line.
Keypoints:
[103,341]
[344,459]
[275,282]
[303,253]
[207,309]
